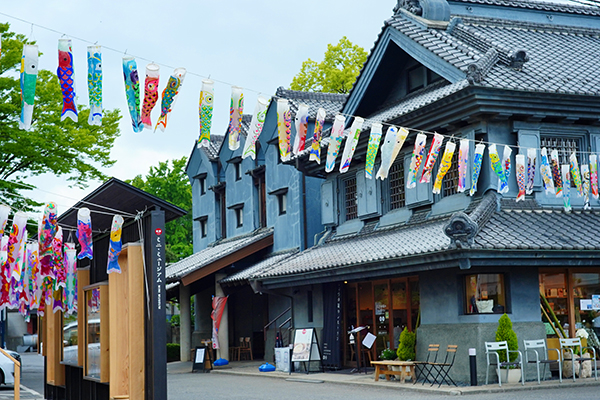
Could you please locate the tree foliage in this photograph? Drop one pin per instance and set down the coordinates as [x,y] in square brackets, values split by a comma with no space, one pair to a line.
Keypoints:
[62,148]
[171,183]
[336,73]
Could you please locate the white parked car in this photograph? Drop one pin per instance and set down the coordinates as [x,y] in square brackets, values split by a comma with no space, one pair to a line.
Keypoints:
[7,367]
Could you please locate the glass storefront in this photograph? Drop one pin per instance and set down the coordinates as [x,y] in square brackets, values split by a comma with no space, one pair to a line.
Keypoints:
[573,295]
[385,308]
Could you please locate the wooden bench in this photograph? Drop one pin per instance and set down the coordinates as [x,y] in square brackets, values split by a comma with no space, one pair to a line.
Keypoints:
[407,368]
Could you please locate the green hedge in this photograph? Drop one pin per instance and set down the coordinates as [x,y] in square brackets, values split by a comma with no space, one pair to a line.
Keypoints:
[173,353]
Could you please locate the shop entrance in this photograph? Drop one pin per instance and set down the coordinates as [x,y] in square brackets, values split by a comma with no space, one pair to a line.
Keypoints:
[385,308]
[574,297]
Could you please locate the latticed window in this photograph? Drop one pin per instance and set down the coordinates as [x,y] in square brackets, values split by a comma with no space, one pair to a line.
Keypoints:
[564,146]
[396,178]
[450,184]
[350,208]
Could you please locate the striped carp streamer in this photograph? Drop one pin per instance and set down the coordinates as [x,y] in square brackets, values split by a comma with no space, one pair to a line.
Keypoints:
[575,174]
[284,129]
[556,172]
[115,245]
[585,183]
[477,161]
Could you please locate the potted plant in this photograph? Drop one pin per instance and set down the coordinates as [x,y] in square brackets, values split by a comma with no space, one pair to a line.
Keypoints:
[387,354]
[406,346]
[506,333]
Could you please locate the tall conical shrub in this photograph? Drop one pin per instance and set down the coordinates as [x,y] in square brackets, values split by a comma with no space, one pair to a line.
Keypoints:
[505,332]
[406,345]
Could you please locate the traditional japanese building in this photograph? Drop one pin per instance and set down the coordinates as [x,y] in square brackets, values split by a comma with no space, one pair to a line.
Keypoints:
[248,214]
[447,265]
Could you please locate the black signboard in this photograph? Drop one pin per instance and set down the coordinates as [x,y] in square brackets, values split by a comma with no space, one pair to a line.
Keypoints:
[332,325]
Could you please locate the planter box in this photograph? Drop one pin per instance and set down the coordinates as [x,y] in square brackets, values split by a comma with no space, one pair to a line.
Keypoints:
[512,375]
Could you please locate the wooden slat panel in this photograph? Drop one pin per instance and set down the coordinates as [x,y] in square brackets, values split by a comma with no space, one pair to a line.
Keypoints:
[118,298]
[83,279]
[137,307]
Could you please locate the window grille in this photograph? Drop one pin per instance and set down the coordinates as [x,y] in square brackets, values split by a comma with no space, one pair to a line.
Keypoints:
[564,146]
[450,184]
[350,199]
[396,179]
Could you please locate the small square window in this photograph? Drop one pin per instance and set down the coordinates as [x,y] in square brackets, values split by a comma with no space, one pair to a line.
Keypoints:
[239,217]
[203,227]
[202,183]
[238,170]
[282,201]
[485,294]
[450,183]
[396,182]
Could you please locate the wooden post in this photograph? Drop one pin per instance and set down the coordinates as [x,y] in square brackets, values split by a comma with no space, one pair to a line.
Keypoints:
[17,386]
[137,317]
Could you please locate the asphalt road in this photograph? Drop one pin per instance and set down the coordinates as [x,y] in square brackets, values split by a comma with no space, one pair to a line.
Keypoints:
[32,371]
[231,387]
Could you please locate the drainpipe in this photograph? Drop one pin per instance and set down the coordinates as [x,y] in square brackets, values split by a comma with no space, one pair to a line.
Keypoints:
[304,227]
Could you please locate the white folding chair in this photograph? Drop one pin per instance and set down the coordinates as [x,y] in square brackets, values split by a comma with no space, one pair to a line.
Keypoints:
[492,350]
[538,348]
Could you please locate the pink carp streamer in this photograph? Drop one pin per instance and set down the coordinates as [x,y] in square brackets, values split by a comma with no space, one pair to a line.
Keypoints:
[301,123]
[520,172]
[284,129]
[531,161]
[415,161]
[594,175]
[434,151]
[463,164]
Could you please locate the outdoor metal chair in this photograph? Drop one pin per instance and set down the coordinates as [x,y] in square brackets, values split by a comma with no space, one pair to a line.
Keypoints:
[492,350]
[572,346]
[441,370]
[423,368]
[538,348]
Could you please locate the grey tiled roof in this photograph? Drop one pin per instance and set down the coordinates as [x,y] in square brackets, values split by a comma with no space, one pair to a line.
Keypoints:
[214,252]
[212,151]
[378,246]
[531,227]
[260,267]
[571,7]
[331,102]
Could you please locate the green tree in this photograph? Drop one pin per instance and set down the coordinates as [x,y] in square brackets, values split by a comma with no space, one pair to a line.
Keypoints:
[336,73]
[406,345]
[62,148]
[171,183]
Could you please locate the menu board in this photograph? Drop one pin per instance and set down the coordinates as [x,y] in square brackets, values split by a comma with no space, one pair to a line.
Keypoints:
[305,346]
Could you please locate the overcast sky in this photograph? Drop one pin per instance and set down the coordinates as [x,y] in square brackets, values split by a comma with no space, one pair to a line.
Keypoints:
[258,45]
